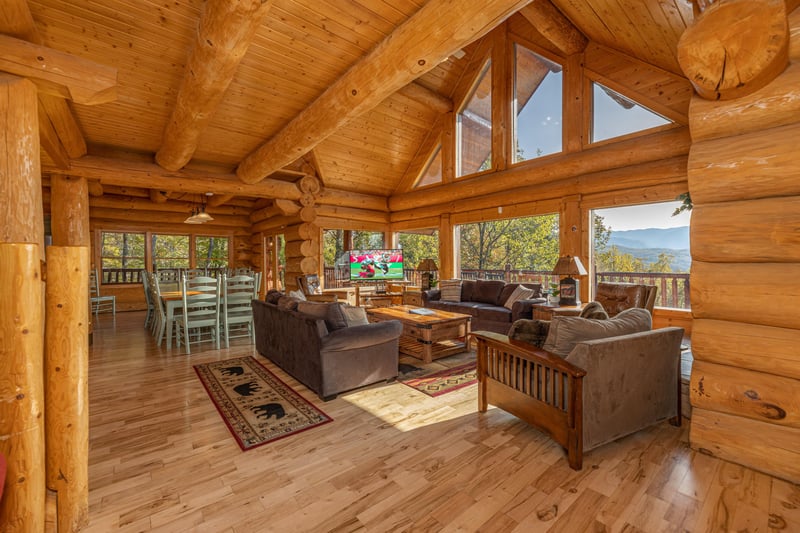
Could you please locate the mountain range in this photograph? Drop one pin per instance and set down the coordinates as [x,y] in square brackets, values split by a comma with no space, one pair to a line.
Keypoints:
[647,244]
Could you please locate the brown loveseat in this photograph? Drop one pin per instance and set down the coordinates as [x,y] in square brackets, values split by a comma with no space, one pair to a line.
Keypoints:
[312,342]
[484,300]
[595,388]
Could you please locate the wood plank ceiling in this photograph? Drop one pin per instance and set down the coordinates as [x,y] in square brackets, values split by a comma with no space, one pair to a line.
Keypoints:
[300,49]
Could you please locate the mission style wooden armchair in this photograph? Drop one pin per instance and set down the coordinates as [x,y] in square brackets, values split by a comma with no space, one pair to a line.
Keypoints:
[603,390]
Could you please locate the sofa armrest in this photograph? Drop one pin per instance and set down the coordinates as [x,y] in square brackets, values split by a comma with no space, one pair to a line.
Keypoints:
[524,308]
[364,336]
[632,382]
[431,295]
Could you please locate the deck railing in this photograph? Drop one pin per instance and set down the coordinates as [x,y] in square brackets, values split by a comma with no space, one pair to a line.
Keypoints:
[673,288]
[114,276]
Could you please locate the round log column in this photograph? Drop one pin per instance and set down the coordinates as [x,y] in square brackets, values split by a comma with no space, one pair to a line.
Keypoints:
[21,323]
[69,210]
[735,48]
[67,383]
[22,507]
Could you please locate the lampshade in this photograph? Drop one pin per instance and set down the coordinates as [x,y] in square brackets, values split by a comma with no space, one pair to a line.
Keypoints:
[569,266]
[202,216]
[427,265]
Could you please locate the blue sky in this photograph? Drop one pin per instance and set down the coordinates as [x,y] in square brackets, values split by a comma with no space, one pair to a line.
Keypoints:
[644,216]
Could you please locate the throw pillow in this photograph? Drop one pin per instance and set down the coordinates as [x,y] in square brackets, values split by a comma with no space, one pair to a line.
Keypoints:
[273,296]
[566,331]
[594,310]
[520,293]
[298,294]
[530,331]
[450,290]
[330,312]
[287,303]
[354,316]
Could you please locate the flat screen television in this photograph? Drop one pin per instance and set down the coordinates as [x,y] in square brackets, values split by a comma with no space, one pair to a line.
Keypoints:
[376,265]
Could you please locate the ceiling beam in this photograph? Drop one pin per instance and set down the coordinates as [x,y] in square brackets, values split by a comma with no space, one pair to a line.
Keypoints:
[16,21]
[426,39]
[555,27]
[145,175]
[223,36]
[425,96]
[59,74]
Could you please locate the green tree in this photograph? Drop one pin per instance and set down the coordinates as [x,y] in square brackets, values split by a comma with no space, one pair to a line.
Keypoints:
[662,264]
[529,243]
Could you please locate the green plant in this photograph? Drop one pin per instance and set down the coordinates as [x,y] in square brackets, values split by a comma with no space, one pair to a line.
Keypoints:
[686,204]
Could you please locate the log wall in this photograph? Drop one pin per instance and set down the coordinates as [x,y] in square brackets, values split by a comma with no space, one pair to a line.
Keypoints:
[744,179]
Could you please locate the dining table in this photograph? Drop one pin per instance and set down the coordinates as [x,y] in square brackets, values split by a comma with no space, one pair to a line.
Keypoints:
[173,300]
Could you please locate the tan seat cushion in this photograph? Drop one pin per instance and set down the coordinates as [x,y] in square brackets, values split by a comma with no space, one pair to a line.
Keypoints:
[566,331]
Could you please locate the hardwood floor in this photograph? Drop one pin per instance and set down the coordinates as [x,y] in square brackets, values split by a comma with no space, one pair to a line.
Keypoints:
[394,459]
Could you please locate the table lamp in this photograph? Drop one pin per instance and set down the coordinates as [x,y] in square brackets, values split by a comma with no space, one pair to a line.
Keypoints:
[569,287]
[428,268]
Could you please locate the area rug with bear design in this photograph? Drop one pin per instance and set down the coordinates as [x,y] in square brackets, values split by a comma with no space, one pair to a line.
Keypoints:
[256,405]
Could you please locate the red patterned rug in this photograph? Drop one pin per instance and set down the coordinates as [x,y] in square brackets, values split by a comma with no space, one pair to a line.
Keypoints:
[444,381]
[254,403]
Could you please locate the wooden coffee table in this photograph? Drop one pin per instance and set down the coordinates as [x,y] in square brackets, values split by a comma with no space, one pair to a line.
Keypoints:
[427,337]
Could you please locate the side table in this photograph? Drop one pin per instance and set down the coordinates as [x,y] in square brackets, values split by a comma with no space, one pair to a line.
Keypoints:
[548,311]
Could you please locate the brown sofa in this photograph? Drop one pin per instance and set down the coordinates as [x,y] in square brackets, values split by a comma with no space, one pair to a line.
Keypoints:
[594,389]
[316,346]
[483,300]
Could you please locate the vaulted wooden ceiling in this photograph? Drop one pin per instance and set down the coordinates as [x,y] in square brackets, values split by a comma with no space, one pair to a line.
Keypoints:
[298,50]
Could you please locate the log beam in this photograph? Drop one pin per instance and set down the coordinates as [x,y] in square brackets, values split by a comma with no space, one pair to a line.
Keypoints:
[16,21]
[413,49]
[555,27]
[657,146]
[423,95]
[126,173]
[352,199]
[735,48]
[172,206]
[224,34]
[158,197]
[59,74]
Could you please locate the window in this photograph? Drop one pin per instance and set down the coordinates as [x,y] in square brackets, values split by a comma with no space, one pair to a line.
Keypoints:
[210,252]
[474,127]
[121,257]
[418,245]
[367,239]
[513,249]
[433,172]
[537,105]
[614,115]
[644,244]
[170,251]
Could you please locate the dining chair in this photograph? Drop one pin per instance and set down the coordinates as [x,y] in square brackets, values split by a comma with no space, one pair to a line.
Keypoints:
[159,325]
[237,312]
[98,302]
[148,298]
[201,303]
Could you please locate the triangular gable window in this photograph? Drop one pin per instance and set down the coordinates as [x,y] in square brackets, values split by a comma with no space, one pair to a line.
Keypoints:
[537,105]
[615,115]
[433,172]
[474,127]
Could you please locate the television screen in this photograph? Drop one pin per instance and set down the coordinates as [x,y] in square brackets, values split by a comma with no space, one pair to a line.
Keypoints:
[376,265]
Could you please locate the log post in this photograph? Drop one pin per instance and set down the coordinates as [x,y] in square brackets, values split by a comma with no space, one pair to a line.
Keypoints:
[735,47]
[21,324]
[22,507]
[69,209]
[67,383]
[744,183]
